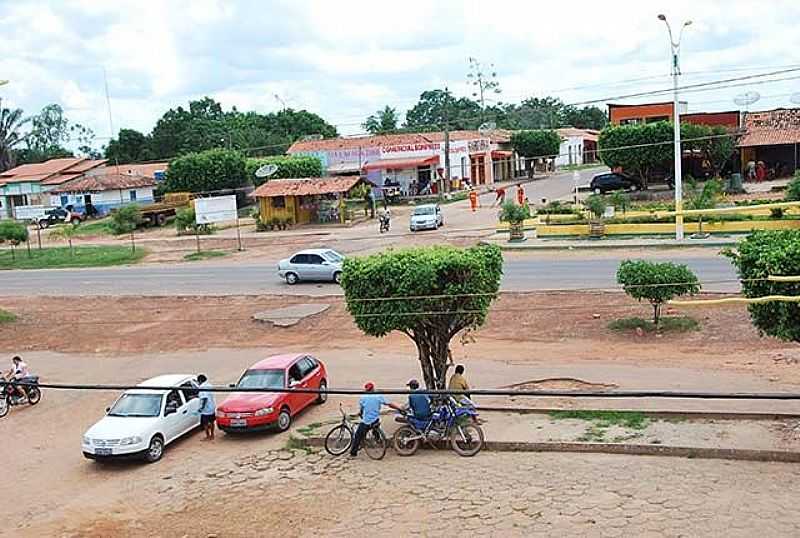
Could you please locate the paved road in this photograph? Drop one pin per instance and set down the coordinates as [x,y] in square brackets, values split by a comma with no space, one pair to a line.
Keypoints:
[234,279]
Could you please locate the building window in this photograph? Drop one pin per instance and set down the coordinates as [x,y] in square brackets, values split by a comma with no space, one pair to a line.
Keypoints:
[64,200]
[279,202]
[656,119]
[132,195]
[464,167]
[631,121]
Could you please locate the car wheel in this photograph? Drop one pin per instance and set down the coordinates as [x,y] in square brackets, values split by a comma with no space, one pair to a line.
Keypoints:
[291,279]
[284,419]
[597,190]
[337,277]
[155,450]
[322,397]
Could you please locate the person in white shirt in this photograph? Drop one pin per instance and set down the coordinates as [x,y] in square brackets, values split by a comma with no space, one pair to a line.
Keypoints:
[18,371]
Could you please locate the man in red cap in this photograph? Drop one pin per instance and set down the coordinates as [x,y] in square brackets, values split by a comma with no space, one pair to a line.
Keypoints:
[370,411]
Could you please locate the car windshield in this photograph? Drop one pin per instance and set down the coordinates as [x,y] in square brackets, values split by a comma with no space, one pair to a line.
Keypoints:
[332,256]
[137,405]
[423,211]
[261,379]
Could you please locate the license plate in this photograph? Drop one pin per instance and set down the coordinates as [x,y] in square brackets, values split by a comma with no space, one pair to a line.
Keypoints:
[103,451]
[238,422]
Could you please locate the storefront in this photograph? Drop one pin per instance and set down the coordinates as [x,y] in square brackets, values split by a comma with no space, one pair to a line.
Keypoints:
[303,201]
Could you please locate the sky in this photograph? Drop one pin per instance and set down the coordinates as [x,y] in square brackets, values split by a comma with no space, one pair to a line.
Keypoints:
[346,59]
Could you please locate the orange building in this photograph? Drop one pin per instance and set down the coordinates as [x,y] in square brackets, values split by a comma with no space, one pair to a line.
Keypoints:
[653,112]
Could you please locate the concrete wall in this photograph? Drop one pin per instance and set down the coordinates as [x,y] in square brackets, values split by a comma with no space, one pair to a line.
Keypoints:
[104,201]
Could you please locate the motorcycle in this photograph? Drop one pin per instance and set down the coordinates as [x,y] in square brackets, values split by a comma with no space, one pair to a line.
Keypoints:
[385,221]
[9,395]
[448,421]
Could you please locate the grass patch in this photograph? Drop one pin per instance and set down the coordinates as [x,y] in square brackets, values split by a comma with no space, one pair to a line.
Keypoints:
[204,255]
[56,257]
[675,324]
[7,317]
[633,420]
[311,428]
[97,227]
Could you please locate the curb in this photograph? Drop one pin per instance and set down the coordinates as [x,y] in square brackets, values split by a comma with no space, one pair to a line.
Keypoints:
[599,245]
[690,415]
[736,454]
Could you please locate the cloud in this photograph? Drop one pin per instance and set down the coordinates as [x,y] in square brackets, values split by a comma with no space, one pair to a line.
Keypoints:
[346,59]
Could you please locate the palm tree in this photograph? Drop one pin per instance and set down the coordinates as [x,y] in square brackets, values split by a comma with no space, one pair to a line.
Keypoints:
[11,121]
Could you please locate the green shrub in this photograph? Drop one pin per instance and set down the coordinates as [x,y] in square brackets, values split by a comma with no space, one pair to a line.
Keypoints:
[514,213]
[13,232]
[289,167]
[125,219]
[206,171]
[185,223]
[596,204]
[620,200]
[656,282]
[776,213]
[793,189]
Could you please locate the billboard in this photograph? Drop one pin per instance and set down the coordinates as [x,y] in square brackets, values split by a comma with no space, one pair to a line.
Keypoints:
[215,209]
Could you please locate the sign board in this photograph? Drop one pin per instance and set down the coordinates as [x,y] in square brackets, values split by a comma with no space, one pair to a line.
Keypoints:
[215,209]
[609,212]
[29,212]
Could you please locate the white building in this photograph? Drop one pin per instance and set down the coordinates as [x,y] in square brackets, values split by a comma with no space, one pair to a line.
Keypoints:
[104,192]
[578,146]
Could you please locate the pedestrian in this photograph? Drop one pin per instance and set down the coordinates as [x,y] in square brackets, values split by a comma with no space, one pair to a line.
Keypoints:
[459,383]
[500,197]
[473,200]
[751,170]
[208,406]
[370,410]
[761,171]
[520,195]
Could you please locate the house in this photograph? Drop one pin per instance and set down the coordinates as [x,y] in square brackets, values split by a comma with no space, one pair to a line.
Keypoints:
[772,136]
[415,162]
[578,146]
[28,183]
[301,201]
[99,194]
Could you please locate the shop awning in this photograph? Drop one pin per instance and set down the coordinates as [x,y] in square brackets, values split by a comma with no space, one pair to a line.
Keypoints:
[498,154]
[401,164]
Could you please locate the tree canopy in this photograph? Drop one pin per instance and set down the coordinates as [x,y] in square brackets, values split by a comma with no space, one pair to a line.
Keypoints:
[770,253]
[656,283]
[382,122]
[290,166]
[535,144]
[434,106]
[130,146]
[211,170]
[11,123]
[429,294]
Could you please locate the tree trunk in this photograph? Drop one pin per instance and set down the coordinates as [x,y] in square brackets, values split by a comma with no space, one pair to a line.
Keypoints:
[656,314]
[433,353]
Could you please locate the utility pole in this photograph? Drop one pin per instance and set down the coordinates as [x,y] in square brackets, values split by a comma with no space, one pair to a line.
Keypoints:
[447,139]
[676,71]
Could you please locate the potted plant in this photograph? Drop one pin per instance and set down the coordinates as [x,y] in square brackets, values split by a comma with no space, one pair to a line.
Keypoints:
[596,205]
[275,223]
[515,215]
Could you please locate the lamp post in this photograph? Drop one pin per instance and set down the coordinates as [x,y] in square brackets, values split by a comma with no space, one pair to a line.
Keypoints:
[676,70]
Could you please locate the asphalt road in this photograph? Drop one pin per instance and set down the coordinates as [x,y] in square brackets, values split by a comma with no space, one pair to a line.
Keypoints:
[245,279]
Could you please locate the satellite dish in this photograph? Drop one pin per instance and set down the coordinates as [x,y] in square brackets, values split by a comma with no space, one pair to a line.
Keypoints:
[487,127]
[313,137]
[266,170]
[795,98]
[747,98]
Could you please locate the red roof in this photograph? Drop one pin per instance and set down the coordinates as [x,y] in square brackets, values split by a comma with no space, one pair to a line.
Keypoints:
[105,182]
[331,144]
[772,127]
[305,187]
[400,164]
[147,170]
[276,361]
[50,172]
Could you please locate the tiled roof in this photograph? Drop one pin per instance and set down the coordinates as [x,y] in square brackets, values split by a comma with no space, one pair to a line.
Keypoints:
[586,134]
[331,144]
[148,170]
[773,127]
[50,172]
[401,164]
[305,187]
[106,183]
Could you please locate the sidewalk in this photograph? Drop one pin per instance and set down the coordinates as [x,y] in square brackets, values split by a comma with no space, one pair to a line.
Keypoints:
[533,243]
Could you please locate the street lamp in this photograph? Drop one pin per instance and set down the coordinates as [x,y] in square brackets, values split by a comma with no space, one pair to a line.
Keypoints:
[676,70]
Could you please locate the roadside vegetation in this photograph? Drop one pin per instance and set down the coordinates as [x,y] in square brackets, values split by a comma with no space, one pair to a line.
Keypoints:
[677,324]
[7,317]
[601,421]
[656,283]
[204,255]
[82,256]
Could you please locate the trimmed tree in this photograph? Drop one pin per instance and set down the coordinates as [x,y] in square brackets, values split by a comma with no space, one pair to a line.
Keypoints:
[289,167]
[13,232]
[429,294]
[212,170]
[535,144]
[793,189]
[125,219]
[770,253]
[656,283]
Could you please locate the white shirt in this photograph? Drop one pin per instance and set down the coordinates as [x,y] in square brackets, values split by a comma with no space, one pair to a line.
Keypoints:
[20,370]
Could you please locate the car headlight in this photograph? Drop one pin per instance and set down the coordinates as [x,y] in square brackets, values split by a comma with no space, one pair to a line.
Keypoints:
[134,440]
[87,440]
[264,411]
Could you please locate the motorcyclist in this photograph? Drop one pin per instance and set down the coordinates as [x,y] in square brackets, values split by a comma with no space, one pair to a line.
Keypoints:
[418,403]
[385,217]
[19,370]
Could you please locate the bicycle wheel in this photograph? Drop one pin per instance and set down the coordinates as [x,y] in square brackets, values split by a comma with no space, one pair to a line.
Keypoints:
[375,444]
[338,440]
[467,440]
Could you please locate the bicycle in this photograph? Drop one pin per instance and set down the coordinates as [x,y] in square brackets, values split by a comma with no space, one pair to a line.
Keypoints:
[340,438]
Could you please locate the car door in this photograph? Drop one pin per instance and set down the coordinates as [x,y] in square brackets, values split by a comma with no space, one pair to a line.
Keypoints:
[294,380]
[312,377]
[319,268]
[173,421]
[190,395]
[299,264]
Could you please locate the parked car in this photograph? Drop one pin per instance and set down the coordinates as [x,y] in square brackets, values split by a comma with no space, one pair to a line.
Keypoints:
[614,181]
[144,420]
[253,411]
[59,215]
[426,217]
[317,264]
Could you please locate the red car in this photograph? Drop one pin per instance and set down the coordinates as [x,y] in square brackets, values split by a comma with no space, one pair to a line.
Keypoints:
[253,411]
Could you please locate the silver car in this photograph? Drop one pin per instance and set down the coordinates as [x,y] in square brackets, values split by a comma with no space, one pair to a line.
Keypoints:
[426,217]
[316,264]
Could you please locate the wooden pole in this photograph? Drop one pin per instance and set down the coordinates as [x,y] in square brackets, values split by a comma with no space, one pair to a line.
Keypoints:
[238,234]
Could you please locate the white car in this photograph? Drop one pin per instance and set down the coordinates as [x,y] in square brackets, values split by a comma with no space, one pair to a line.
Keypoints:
[143,421]
[426,217]
[315,264]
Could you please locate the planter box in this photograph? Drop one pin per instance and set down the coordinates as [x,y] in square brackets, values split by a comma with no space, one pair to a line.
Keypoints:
[668,228]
